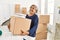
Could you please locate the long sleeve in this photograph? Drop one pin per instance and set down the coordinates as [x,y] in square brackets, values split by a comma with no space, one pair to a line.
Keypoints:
[34,24]
[33,29]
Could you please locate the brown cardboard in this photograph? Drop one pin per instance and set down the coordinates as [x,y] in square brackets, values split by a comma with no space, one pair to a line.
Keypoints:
[41,35]
[41,32]
[44,19]
[24,10]
[41,28]
[12,23]
[18,24]
[17,8]
[9,26]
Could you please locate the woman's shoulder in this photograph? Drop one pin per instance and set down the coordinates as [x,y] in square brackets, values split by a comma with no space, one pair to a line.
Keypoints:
[36,15]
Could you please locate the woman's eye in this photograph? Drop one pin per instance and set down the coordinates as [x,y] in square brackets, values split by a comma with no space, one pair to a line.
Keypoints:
[33,8]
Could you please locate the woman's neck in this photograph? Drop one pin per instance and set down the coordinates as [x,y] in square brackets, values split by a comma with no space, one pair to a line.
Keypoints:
[31,14]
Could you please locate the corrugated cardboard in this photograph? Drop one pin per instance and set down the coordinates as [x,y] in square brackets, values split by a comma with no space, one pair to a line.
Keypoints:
[24,10]
[41,28]
[17,8]
[41,32]
[19,24]
[9,26]
[41,35]
[12,23]
[44,19]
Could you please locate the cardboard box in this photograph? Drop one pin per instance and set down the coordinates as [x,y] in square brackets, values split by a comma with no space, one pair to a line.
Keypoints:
[41,28]
[17,8]
[12,23]
[18,24]
[24,10]
[41,35]
[41,32]
[44,19]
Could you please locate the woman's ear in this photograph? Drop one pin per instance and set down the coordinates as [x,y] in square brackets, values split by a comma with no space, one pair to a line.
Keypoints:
[36,11]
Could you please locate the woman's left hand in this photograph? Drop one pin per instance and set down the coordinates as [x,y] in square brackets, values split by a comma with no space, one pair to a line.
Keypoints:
[25,33]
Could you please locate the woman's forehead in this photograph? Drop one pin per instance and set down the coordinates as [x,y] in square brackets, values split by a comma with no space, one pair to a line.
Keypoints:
[33,6]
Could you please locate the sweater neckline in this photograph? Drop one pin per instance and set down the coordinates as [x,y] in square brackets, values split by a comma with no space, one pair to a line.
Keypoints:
[31,16]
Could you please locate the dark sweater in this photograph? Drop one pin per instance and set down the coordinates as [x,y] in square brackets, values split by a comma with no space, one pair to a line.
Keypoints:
[34,24]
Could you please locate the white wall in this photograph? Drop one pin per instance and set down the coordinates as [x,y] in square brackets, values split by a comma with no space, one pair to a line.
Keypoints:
[4,10]
[24,3]
[56,12]
[57,15]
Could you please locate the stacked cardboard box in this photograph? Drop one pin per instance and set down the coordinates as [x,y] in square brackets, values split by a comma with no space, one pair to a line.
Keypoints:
[44,19]
[17,25]
[17,8]
[24,10]
[41,35]
[42,27]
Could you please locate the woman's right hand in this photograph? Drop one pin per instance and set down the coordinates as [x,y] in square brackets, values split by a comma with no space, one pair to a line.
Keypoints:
[25,32]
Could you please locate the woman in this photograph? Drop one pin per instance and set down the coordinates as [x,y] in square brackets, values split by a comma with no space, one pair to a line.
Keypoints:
[34,23]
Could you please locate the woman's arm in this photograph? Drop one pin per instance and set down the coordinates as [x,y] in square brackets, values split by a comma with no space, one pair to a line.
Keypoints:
[33,29]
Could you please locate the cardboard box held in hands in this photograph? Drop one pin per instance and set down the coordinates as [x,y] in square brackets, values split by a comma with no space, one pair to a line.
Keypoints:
[17,25]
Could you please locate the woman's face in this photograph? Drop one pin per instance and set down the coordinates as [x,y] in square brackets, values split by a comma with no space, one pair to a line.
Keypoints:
[32,10]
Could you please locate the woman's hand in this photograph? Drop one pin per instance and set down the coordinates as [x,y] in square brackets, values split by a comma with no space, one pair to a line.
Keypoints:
[25,32]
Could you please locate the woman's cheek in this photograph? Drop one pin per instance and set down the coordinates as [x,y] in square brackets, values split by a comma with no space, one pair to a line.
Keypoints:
[34,11]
